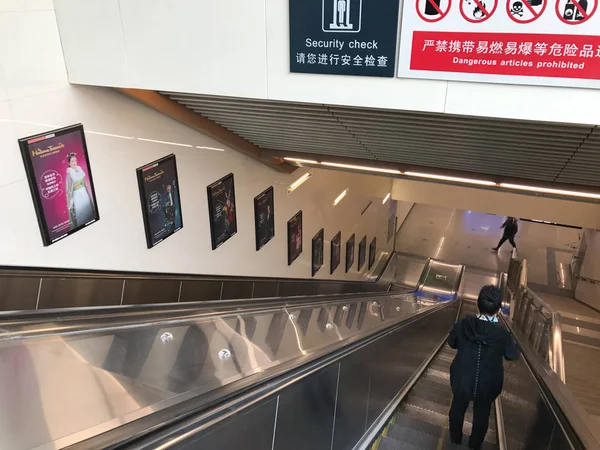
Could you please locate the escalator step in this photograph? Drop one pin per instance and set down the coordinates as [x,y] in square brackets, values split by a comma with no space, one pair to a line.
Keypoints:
[387,443]
[440,396]
[409,422]
[433,384]
[441,419]
[414,436]
[426,403]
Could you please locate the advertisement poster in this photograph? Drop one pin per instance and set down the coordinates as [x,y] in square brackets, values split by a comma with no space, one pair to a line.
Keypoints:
[372,252]
[318,248]
[294,229]
[336,251]
[161,204]
[222,211]
[344,37]
[264,218]
[60,179]
[362,252]
[539,42]
[350,247]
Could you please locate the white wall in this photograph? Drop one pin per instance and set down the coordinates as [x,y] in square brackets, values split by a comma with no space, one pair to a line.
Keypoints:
[577,213]
[588,288]
[241,48]
[35,96]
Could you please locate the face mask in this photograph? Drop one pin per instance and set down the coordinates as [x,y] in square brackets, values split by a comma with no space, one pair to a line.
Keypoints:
[487,318]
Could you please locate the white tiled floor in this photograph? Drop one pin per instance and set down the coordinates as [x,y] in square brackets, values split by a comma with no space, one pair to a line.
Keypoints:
[468,237]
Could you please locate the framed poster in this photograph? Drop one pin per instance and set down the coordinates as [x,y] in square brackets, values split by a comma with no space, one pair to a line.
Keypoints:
[350,246]
[161,204]
[362,252]
[372,252]
[294,229]
[318,247]
[336,251]
[222,210]
[391,228]
[60,180]
[264,218]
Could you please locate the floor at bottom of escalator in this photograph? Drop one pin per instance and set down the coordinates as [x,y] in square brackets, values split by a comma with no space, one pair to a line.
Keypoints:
[411,434]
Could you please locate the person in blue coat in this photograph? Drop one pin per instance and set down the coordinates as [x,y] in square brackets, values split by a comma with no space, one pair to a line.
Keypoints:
[477,372]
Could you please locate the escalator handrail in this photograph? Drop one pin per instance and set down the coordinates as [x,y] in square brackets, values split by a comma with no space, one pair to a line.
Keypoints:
[571,416]
[166,428]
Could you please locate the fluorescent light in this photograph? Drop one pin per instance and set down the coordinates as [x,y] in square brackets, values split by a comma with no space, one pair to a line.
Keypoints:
[109,134]
[164,142]
[300,160]
[550,190]
[340,197]
[210,148]
[368,169]
[387,197]
[446,178]
[296,184]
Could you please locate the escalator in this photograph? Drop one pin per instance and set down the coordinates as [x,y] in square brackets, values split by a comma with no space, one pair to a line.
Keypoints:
[340,372]
[421,421]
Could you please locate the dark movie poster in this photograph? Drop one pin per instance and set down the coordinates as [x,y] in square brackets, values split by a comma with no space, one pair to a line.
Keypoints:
[336,251]
[318,247]
[264,218]
[391,228]
[350,247]
[372,252]
[60,179]
[362,252]
[294,228]
[222,210]
[161,204]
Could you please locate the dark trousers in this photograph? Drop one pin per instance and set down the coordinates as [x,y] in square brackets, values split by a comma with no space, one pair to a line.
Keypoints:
[510,239]
[481,420]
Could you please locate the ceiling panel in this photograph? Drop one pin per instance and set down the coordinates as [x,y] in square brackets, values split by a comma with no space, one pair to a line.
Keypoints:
[550,152]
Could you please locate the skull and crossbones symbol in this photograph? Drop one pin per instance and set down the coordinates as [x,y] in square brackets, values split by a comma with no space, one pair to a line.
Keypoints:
[517,9]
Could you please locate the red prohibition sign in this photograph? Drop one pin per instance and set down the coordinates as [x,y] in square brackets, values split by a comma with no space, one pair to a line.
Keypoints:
[479,6]
[575,11]
[433,4]
[534,15]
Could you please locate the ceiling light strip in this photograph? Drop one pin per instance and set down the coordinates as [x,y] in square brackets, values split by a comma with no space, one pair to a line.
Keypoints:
[302,161]
[340,197]
[164,142]
[448,178]
[387,197]
[550,191]
[366,168]
[296,184]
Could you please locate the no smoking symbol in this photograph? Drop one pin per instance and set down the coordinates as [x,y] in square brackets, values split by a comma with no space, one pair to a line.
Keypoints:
[525,11]
[433,10]
[477,11]
[575,12]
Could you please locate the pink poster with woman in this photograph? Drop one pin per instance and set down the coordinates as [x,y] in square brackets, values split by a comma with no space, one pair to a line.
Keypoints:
[60,180]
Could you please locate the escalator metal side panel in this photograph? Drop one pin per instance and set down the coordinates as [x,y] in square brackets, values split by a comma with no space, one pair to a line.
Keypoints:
[330,408]
[441,280]
[74,386]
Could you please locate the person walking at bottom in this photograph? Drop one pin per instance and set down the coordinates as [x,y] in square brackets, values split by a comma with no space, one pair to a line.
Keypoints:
[477,372]
[511,228]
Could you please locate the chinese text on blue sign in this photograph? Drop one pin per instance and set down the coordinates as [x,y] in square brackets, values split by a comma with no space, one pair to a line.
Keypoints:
[343,37]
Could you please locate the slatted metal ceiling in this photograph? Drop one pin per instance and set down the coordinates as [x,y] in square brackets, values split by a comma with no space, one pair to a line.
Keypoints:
[531,150]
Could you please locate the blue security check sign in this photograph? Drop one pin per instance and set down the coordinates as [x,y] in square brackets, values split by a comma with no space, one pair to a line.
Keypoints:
[344,37]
